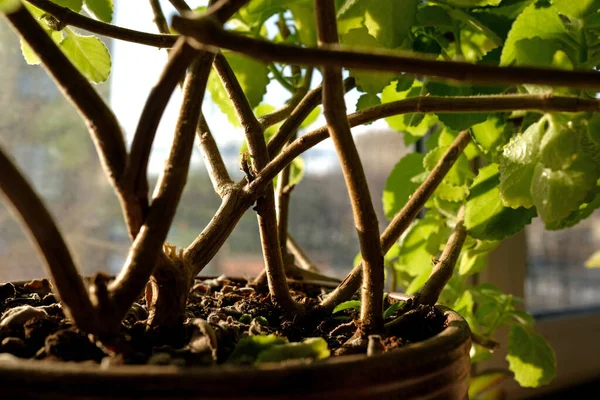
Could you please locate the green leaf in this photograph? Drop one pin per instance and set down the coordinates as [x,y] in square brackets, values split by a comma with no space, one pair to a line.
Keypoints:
[517,164]
[418,282]
[392,309]
[350,304]
[416,124]
[593,261]
[248,349]
[491,134]
[486,217]
[417,244]
[530,357]
[458,174]
[256,12]
[455,121]
[367,81]
[313,348]
[584,211]
[390,21]
[576,9]
[367,100]
[312,117]
[101,9]
[29,55]
[473,3]
[399,186]
[542,52]
[435,16]
[304,17]
[451,193]
[556,194]
[89,55]
[253,77]
[474,259]
[9,6]
[539,20]
[297,169]
[74,5]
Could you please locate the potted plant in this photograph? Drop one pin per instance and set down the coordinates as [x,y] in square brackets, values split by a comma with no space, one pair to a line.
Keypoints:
[501,94]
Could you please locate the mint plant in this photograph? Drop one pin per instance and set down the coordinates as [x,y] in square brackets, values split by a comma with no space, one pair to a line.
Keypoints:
[502,93]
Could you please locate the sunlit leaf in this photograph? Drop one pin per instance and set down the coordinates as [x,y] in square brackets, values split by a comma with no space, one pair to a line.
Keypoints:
[593,261]
[539,20]
[89,55]
[102,9]
[312,348]
[486,217]
[248,349]
[74,5]
[530,358]
[368,81]
[346,305]
[399,185]
[9,6]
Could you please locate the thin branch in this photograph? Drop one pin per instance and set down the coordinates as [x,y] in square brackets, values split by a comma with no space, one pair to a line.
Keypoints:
[265,205]
[180,5]
[50,244]
[444,267]
[135,178]
[241,197]
[300,255]
[68,17]
[282,113]
[159,17]
[148,243]
[402,219]
[365,218]
[100,120]
[429,104]
[300,113]
[208,35]
[213,161]
[282,204]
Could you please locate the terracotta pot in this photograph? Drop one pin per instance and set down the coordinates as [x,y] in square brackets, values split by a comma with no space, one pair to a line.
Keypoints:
[437,368]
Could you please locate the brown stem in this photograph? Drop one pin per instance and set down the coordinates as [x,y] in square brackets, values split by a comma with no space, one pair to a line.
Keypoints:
[265,205]
[282,113]
[101,122]
[241,197]
[402,220]
[148,243]
[208,35]
[50,244]
[300,255]
[213,161]
[180,5]
[135,178]
[428,104]
[68,17]
[283,192]
[365,218]
[159,17]
[300,113]
[444,267]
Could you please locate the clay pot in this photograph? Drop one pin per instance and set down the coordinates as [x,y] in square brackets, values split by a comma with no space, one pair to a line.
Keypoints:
[437,368]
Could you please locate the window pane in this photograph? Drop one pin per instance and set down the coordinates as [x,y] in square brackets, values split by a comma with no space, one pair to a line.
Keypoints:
[557,278]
